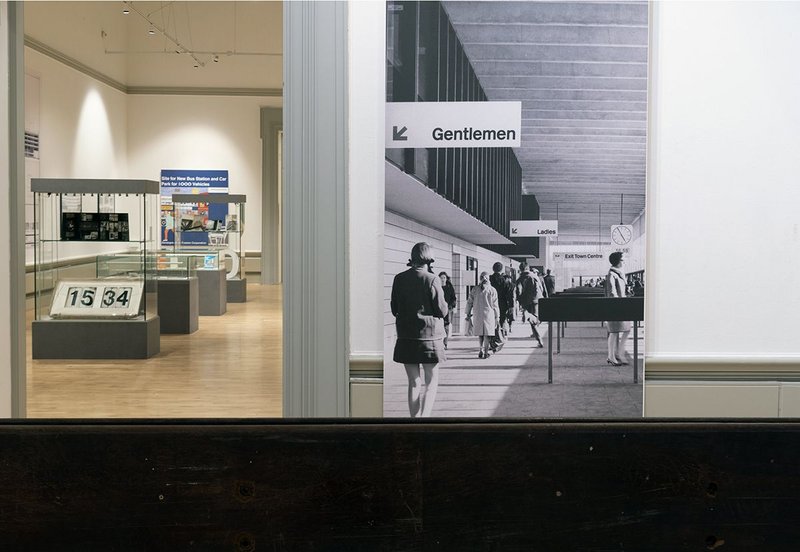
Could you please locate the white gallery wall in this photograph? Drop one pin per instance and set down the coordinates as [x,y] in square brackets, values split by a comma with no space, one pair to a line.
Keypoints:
[366,166]
[723,179]
[83,131]
[202,132]
[91,130]
[724,274]
[722,191]
[83,123]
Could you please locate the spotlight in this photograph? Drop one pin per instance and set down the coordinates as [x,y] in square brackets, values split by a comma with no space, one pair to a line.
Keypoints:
[177,51]
[196,65]
[151,31]
[125,11]
[216,59]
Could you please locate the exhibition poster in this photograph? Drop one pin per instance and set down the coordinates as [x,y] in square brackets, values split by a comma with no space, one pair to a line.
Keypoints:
[196,220]
[515,221]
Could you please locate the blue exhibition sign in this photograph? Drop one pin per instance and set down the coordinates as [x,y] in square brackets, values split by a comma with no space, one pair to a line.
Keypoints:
[189,181]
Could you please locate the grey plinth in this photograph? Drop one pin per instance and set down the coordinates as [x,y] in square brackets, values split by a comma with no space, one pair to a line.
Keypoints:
[237,291]
[95,339]
[179,305]
[213,292]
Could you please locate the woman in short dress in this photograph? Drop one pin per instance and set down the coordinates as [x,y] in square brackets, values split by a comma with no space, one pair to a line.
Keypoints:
[618,331]
[419,308]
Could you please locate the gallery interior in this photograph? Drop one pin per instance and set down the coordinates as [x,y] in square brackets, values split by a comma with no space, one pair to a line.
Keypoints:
[119,98]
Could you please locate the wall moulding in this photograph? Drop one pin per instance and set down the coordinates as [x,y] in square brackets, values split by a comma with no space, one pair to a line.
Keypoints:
[723,367]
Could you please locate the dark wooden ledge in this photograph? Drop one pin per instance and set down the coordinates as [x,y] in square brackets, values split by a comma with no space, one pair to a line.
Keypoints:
[371,485]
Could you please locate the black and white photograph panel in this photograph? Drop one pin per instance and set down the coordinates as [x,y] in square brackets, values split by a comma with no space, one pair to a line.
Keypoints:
[515,222]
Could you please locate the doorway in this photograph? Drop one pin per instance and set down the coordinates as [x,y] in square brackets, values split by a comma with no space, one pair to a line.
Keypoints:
[163,87]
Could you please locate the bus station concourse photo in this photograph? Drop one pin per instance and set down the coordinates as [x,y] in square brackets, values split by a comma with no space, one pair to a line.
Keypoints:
[399,275]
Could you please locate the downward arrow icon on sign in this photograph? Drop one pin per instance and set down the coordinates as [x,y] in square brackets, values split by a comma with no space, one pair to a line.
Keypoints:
[399,135]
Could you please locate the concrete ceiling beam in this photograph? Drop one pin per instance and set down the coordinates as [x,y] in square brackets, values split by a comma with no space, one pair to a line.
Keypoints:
[561,69]
[521,33]
[510,93]
[555,52]
[559,13]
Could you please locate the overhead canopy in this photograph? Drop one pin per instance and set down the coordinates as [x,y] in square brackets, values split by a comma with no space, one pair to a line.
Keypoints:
[580,71]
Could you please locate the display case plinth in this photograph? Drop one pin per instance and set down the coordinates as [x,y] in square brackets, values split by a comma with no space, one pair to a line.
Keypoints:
[213,292]
[96,339]
[237,291]
[179,305]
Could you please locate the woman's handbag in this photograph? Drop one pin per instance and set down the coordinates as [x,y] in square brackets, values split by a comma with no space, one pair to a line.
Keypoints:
[468,327]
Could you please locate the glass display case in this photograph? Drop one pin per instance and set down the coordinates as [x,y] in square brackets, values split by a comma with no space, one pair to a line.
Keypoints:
[164,264]
[186,262]
[214,222]
[77,222]
[123,265]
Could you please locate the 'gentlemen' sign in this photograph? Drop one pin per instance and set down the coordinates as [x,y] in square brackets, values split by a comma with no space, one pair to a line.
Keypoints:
[453,124]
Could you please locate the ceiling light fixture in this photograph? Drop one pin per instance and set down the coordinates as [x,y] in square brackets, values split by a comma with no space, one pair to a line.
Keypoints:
[125,11]
[153,28]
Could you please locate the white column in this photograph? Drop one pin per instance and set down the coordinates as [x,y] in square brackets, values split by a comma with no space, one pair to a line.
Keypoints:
[315,209]
[12,249]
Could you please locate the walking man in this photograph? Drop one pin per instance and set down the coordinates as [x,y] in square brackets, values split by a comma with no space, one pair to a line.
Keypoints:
[529,291]
[550,283]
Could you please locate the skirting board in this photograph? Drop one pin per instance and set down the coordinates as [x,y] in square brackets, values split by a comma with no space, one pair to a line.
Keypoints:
[366,398]
[96,339]
[723,367]
[366,385]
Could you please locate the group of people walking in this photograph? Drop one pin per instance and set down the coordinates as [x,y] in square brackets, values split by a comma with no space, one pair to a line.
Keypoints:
[490,307]
[423,306]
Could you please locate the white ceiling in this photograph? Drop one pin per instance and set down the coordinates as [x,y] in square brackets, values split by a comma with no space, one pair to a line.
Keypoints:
[100,36]
[580,71]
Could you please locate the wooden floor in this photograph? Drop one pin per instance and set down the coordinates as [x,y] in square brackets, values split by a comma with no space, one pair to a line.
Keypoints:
[229,368]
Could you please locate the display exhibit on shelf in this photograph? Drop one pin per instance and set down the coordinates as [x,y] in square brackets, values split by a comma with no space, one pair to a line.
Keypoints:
[186,260]
[97,299]
[95,227]
[178,283]
[214,221]
[96,292]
